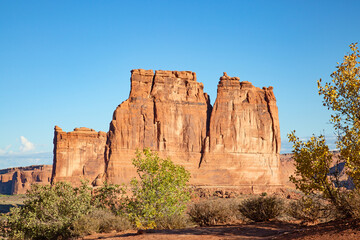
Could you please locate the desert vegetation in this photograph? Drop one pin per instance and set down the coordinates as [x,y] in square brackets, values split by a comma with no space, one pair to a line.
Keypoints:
[159,198]
[313,158]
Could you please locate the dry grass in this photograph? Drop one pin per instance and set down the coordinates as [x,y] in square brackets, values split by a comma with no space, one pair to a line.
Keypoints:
[9,201]
[262,208]
[212,212]
[99,221]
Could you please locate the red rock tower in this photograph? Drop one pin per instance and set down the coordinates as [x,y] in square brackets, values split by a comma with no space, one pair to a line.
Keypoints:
[243,146]
[167,112]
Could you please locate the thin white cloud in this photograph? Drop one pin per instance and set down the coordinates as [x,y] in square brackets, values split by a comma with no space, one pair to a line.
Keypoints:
[5,150]
[287,147]
[26,145]
[25,159]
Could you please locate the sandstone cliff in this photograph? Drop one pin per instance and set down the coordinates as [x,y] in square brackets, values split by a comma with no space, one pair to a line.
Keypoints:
[167,112]
[78,155]
[236,143]
[244,137]
[18,180]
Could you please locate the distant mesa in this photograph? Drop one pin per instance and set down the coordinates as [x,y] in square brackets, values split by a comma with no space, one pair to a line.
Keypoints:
[233,144]
[19,179]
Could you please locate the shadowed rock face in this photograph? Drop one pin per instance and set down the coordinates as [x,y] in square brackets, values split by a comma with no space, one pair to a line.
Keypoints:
[235,143]
[19,179]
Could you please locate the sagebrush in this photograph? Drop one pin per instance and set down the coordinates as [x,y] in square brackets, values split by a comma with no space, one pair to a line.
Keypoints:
[261,208]
[309,209]
[48,212]
[99,221]
[212,212]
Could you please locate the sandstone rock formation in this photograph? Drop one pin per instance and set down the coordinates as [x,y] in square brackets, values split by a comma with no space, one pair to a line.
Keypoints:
[236,143]
[287,166]
[243,145]
[18,180]
[78,155]
[167,112]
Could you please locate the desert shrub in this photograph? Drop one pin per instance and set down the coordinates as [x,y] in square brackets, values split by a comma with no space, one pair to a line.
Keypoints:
[110,196]
[212,212]
[48,212]
[99,221]
[309,209]
[261,208]
[159,192]
[350,200]
[175,221]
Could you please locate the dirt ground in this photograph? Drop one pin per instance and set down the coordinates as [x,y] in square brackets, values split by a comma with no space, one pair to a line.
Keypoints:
[339,230]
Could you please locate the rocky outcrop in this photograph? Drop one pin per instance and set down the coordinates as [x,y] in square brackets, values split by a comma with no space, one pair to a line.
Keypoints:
[243,145]
[18,180]
[78,155]
[287,167]
[167,112]
[236,143]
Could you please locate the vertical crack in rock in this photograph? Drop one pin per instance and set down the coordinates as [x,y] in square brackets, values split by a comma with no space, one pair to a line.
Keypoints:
[56,129]
[143,130]
[205,138]
[152,86]
[269,97]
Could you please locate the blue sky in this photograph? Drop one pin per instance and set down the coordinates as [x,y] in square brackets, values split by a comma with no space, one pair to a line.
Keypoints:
[68,63]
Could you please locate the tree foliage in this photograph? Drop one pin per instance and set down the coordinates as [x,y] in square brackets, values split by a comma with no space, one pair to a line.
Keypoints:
[313,158]
[342,95]
[52,212]
[159,197]
[312,163]
[160,191]
[110,196]
[48,212]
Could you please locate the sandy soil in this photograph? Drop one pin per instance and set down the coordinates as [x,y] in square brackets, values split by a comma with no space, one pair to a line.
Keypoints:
[271,230]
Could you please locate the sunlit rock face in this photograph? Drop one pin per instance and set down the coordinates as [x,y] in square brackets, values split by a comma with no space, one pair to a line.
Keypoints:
[18,180]
[243,144]
[78,155]
[166,111]
[235,143]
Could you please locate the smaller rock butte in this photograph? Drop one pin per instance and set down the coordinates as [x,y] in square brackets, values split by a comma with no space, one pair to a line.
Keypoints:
[234,144]
[19,179]
[78,155]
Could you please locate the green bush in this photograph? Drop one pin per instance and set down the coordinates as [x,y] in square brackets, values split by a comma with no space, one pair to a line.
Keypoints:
[48,212]
[99,221]
[60,211]
[212,212]
[161,191]
[261,208]
[110,196]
